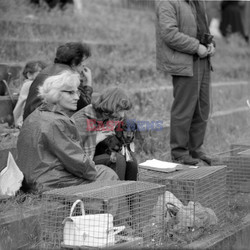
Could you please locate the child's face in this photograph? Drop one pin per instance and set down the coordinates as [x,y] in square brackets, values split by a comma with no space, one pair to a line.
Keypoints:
[32,76]
[79,68]
[119,115]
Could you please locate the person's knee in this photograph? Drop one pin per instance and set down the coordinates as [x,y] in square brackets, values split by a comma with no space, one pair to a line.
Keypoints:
[131,171]
[105,173]
[120,166]
[120,159]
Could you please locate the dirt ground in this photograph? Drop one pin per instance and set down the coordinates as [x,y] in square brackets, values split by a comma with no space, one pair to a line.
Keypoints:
[8,135]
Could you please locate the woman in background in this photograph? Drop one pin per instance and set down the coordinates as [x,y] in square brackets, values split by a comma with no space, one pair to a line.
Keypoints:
[71,57]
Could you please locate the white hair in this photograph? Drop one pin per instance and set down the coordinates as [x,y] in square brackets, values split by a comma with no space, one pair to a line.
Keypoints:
[50,90]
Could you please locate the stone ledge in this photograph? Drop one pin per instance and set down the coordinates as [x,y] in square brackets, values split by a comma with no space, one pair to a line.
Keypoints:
[233,237]
[20,50]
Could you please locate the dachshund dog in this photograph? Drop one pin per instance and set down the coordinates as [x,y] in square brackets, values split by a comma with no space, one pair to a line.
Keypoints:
[121,141]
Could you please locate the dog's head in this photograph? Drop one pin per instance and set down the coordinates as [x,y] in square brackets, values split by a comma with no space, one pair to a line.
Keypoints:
[125,131]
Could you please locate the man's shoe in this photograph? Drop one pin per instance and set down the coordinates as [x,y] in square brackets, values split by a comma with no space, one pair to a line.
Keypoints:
[186,160]
[202,156]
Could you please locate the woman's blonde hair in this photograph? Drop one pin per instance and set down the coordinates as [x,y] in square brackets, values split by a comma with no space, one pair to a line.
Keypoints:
[112,100]
[50,90]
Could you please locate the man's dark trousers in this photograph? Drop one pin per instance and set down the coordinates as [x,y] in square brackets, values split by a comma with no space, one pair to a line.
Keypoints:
[190,109]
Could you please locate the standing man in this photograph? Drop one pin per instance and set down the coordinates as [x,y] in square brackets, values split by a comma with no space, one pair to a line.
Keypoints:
[184,46]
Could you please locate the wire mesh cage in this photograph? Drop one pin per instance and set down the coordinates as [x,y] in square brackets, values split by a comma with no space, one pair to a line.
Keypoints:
[194,198]
[117,214]
[237,160]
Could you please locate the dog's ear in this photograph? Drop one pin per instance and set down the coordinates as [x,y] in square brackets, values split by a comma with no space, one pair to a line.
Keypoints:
[138,135]
[119,129]
[137,132]
[130,125]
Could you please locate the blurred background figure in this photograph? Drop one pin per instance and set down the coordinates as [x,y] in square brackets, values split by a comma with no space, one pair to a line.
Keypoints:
[246,18]
[214,16]
[30,71]
[231,18]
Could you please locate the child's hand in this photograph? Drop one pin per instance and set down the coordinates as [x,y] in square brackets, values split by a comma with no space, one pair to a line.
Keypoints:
[113,157]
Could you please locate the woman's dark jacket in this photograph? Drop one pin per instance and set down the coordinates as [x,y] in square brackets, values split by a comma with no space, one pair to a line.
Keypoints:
[49,151]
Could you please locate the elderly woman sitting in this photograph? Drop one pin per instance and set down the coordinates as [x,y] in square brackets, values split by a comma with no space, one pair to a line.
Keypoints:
[49,151]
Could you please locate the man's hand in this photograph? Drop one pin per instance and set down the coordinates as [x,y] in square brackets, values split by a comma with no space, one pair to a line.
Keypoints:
[202,51]
[211,49]
[87,73]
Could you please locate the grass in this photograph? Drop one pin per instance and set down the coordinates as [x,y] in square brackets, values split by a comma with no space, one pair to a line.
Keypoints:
[131,64]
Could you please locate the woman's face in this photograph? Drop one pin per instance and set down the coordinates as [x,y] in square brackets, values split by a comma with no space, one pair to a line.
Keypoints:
[79,68]
[119,115]
[68,99]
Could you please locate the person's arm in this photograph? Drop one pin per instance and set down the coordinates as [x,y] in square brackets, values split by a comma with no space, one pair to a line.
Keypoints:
[169,29]
[66,146]
[85,88]
[33,100]
[87,130]
[19,108]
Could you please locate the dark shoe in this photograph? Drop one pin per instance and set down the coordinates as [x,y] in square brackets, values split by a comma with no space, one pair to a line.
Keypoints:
[202,156]
[186,160]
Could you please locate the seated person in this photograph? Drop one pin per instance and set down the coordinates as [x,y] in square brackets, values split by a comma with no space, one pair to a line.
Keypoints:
[121,141]
[69,56]
[231,18]
[49,151]
[30,71]
[97,121]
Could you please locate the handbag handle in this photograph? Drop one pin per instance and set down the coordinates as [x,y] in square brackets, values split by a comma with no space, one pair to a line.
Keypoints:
[117,230]
[9,92]
[74,206]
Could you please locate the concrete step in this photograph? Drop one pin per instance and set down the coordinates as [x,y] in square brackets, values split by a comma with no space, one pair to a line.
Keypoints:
[224,128]
[25,29]
[132,5]
[231,236]
[105,70]
[42,29]
[157,102]
[23,50]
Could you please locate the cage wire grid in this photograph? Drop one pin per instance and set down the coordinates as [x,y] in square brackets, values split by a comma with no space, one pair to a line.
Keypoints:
[118,214]
[193,188]
[237,160]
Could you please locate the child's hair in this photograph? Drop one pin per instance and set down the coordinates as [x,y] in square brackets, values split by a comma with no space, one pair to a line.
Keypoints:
[50,90]
[112,100]
[32,67]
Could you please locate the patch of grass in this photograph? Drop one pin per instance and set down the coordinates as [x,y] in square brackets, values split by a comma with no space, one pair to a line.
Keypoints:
[132,63]
[21,200]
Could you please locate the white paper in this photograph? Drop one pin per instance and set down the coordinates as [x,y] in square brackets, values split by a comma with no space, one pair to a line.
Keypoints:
[160,165]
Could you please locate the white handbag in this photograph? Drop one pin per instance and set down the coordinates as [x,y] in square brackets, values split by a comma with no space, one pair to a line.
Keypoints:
[95,230]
